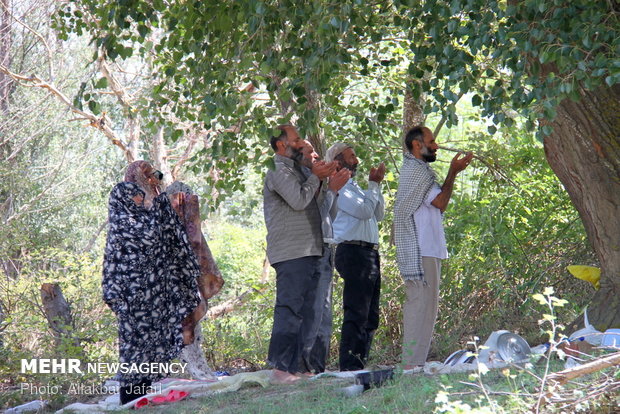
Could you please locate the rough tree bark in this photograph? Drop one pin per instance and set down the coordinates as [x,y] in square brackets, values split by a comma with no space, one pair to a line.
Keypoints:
[317,139]
[8,265]
[159,155]
[6,83]
[584,152]
[413,115]
[58,313]
[607,361]
[2,317]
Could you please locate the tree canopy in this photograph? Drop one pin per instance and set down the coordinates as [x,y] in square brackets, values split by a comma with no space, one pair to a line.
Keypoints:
[526,55]
[245,66]
[197,87]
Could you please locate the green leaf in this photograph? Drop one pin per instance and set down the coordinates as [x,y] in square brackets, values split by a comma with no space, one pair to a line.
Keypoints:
[143,30]
[559,302]
[94,107]
[299,90]
[101,83]
[176,134]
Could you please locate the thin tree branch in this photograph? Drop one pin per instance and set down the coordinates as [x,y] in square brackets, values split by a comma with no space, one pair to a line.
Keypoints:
[96,122]
[192,141]
[95,236]
[123,97]
[444,118]
[37,34]
[24,208]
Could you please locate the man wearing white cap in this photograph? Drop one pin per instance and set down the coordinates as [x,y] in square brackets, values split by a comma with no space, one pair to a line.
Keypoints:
[357,257]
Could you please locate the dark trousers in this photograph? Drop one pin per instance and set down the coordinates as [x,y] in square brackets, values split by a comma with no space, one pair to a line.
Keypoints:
[296,282]
[318,336]
[359,267]
[133,391]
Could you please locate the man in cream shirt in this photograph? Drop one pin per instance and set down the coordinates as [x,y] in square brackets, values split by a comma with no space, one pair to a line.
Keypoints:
[357,257]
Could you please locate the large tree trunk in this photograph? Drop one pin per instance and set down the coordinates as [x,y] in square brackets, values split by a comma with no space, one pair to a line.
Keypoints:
[584,152]
[413,114]
[159,155]
[315,135]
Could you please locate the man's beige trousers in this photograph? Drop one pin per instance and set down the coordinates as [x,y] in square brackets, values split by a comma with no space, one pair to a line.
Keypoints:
[420,313]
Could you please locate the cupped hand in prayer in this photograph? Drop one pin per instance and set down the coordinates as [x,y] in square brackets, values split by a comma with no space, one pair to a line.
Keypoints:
[377,174]
[339,179]
[323,169]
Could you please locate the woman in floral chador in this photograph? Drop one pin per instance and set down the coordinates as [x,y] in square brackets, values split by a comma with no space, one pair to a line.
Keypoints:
[149,276]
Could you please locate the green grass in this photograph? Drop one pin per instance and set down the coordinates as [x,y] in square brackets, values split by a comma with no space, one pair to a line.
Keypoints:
[510,391]
[405,394]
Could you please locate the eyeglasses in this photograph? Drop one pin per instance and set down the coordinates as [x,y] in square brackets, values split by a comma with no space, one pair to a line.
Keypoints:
[158,174]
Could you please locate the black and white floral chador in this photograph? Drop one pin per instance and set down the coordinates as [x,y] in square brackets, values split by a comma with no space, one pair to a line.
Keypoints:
[149,279]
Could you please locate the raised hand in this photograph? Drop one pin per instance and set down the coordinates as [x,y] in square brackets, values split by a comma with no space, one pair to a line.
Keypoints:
[339,179]
[178,203]
[458,164]
[323,169]
[138,199]
[377,174]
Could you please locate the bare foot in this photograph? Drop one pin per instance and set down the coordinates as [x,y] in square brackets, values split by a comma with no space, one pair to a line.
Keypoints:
[283,377]
[304,374]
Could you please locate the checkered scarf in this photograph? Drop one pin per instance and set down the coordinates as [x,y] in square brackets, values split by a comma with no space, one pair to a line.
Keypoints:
[416,179]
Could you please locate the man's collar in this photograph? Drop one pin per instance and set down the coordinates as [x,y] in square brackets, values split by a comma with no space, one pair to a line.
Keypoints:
[413,157]
[285,160]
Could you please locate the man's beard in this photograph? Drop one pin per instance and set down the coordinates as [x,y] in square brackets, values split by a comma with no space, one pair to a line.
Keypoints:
[427,155]
[350,167]
[306,162]
[294,154]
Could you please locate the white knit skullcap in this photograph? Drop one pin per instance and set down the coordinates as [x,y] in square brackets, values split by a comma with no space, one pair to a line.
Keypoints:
[335,150]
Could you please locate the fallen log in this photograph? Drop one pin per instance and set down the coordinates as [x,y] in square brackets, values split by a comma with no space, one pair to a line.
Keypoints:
[562,377]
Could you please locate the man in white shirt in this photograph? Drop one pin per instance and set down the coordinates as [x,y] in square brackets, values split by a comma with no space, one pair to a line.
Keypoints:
[420,240]
[357,257]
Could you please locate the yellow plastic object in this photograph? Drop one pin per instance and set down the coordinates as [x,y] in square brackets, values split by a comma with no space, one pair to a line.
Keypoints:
[587,273]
